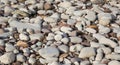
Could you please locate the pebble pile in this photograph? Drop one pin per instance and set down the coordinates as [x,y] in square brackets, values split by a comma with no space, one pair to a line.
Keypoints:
[60,32]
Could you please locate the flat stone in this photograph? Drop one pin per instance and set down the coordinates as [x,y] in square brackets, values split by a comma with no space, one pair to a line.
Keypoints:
[114,62]
[50,19]
[87,52]
[90,30]
[32,60]
[63,48]
[75,39]
[49,52]
[108,42]
[9,47]
[65,29]
[7,58]
[65,4]
[20,25]
[91,15]
[37,36]
[58,37]
[20,58]
[23,37]
[117,49]
[113,56]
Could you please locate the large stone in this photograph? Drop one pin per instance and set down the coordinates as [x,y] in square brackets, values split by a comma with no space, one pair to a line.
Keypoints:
[87,52]
[49,52]
[7,58]
[108,42]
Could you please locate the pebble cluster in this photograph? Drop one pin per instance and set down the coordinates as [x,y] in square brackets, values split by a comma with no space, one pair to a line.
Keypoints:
[60,32]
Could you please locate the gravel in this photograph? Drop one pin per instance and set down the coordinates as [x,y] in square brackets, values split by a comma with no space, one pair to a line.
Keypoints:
[59,32]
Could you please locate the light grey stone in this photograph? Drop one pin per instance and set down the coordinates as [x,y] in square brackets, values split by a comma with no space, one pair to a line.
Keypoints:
[7,58]
[87,52]
[20,58]
[49,52]
[63,48]
[75,39]
[9,47]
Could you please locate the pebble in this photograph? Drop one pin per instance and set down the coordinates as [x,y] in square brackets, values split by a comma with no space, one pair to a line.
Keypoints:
[65,40]
[47,6]
[71,21]
[22,44]
[75,39]
[85,63]
[65,29]
[106,50]
[63,48]
[20,58]
[87,52]
[32,60]
[113,56]
[2,43]
[117,49]
[65,4]
[7,58]
[50,19]
[58,37]
[54,63]
[9,47]
[91,15]
[23,37]
[49,52]
[19,25]
[37,36]
[104,18]
[108,42]
[114,62]
[76,47]
[91,30]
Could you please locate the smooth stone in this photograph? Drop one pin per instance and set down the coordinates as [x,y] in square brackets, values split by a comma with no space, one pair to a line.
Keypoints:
[63,48]
[105,15]
[108,42]
[75,39]
[19,25]
[114,62]
[7,58]
[90,30]
[2,43]
[54,63]
[76,47]
[117,49]
[37,36]
[50,19]
[87,52]
[32,60]
[104,21]
[9,47]
[113,56]
[99,55]
[85,63]
[79,13]
[58,37]
[64,16]
[65,29]
[49,52]
[91,15]
[20,58]
[106,50]
[65,40]
[50,36]
[23,37]
[65,4]
[71,21]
